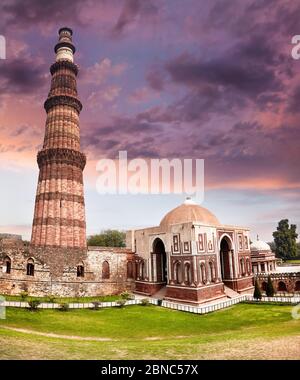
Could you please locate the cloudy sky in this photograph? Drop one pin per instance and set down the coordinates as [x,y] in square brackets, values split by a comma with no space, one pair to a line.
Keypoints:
[160,79]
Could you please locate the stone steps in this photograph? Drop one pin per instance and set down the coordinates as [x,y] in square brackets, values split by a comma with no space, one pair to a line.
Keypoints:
[230,293]
[161,293]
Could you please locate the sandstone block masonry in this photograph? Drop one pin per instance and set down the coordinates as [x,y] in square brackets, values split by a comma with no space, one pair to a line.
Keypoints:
[59,215]
[96,271]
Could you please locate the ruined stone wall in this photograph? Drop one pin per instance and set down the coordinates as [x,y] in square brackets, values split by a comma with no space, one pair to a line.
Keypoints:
[282,282]
[55,271]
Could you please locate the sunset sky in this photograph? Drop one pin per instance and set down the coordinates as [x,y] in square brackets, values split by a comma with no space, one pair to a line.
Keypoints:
[199,79]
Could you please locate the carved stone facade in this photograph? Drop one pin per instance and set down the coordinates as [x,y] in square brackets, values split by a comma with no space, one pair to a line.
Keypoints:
[192,255]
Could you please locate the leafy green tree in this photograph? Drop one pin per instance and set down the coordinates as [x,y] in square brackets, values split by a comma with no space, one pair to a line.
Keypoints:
[108,238]
[272,246]
[285,239]
[270,288]
[257,292]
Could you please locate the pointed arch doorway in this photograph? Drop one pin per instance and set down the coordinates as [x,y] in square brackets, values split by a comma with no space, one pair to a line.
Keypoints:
[225,258]
[161,269]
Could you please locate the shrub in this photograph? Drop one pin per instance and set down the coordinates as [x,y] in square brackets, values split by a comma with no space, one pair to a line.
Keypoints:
[127,296]
[51,298]
[270,288]
[121,303]
[23,295]
[34,304]
[64,306]
[257,292]
[145,302]
[96,305]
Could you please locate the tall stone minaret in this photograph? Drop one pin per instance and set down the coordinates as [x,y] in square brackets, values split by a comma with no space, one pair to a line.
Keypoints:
[59,216]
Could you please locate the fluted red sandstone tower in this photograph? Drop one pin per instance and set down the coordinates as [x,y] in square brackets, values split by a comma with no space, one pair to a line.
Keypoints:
[59,216]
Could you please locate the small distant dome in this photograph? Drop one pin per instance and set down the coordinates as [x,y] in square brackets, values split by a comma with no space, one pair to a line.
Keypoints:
[189,211]
[259,245]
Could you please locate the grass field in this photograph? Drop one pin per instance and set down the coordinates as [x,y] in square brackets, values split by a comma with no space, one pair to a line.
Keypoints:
[292,261]
[244,331]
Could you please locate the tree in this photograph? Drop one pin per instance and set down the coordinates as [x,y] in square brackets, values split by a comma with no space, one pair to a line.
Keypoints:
[108,238]
[285,239]
[257,292]
[272,246]
[270,288]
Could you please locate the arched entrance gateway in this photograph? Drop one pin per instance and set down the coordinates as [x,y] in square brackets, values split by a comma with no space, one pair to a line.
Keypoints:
[160,260]
[225,258]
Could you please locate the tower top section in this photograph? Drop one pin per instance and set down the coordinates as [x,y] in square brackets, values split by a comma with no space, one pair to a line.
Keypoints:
[65,29]
[65,49]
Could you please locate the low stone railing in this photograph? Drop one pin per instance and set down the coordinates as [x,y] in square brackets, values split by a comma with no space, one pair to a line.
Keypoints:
[205,308]
[278,275]
[83,305]
[201,309]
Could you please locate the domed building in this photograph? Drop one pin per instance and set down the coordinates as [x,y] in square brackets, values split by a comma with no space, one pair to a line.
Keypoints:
[192,256]
[263,259]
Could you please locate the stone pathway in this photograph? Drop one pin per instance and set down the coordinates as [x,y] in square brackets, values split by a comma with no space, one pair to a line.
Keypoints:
[83,338]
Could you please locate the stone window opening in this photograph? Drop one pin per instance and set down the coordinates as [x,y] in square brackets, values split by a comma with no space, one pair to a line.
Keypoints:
[282,287]
[177,272]
[242,265]
[187,273]
[30,268]
[105,270]
[248,264]
[129,269]
[240,242]
[7,265]
[142,270]
[80,271]
[203,273]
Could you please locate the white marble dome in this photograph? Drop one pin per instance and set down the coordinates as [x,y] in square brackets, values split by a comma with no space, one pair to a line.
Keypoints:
[259,245]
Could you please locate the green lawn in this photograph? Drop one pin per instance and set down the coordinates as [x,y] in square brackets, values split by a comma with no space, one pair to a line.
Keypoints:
[149,332]
[292,261]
